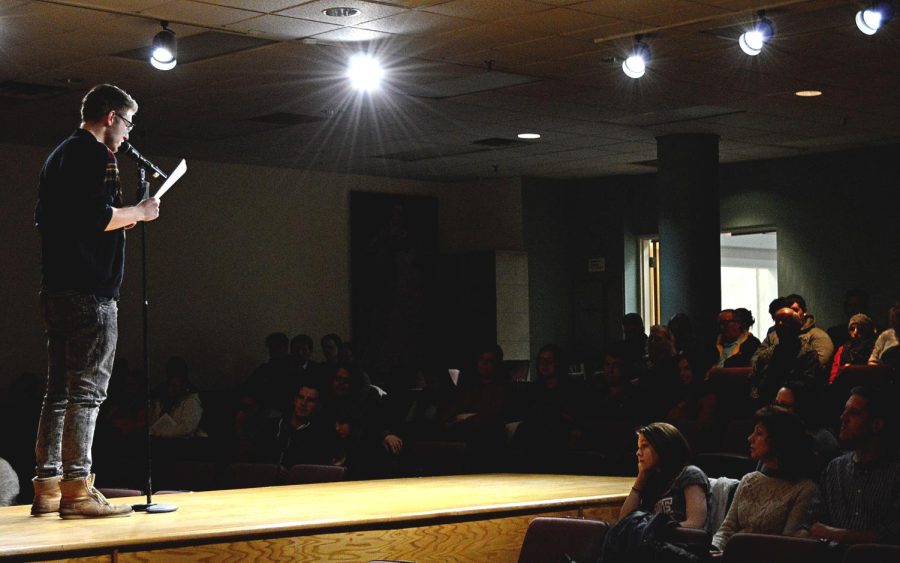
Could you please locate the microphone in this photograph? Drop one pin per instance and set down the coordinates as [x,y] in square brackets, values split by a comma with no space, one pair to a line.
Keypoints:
[141,160]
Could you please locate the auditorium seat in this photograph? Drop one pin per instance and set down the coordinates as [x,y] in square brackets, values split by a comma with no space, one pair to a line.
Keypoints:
[753,548]
[728,376]
[115,492]
[181,475]
[432,458]
[724,464]
[851,376]
[552,539]
[303,473]
[872,553]
[248,475]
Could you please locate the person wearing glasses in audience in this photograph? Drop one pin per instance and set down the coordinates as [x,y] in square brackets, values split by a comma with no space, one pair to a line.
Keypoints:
[81,220]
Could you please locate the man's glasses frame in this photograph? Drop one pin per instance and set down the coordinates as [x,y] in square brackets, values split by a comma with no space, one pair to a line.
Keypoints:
[128,124]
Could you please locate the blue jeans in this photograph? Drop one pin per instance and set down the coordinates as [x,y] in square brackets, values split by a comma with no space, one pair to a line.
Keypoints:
[81,344]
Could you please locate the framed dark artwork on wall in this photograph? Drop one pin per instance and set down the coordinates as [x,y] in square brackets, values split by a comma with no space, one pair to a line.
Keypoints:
[393,266]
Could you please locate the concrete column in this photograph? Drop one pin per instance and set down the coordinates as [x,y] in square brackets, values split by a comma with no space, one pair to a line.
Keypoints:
[690,278]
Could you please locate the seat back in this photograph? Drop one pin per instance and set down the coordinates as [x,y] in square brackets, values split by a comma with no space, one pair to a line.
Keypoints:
[116,492]
[753,548]
[730,465]
[429,458]
[552,539]
[303,473]
[872,553]
[248,475]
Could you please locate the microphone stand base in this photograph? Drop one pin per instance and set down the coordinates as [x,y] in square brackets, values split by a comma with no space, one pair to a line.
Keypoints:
[154,508]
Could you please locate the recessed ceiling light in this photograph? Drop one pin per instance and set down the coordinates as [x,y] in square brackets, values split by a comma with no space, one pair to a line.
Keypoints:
[340,12]
[808,93]
[529,135]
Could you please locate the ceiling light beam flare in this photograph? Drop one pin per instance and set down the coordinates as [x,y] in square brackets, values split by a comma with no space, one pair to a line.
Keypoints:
[365,72]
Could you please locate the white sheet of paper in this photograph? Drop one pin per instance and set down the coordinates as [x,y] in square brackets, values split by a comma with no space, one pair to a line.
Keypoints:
[173,177]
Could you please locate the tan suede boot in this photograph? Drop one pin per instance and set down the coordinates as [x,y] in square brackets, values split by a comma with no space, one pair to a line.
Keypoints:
[46,496]
[81,500]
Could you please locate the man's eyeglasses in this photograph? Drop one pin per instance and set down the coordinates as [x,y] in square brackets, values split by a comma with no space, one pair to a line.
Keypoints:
[128,125]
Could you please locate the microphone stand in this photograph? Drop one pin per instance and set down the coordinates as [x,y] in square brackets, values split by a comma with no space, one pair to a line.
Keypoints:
[143,192]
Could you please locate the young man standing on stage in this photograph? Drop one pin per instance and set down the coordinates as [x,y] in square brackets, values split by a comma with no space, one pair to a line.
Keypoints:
[82,224]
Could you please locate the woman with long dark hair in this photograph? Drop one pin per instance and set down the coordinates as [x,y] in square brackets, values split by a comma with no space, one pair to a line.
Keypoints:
[665,482]
[774,499]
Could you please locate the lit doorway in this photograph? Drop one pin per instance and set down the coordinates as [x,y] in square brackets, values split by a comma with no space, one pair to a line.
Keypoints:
[749,265]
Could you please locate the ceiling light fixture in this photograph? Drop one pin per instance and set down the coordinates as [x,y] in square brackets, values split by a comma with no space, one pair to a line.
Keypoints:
[636,64]
[529,135]
[365,72]
[340,12]
[808,93]
[164,53]
[753,40]
[872,18]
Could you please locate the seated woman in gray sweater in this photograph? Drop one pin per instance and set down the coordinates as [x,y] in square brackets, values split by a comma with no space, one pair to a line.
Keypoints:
[773,500]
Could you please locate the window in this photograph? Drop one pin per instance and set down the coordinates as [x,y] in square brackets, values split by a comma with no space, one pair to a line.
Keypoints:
[750,275]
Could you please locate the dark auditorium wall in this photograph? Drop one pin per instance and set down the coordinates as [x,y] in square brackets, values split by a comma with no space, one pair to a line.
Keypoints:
[835,215]
[239,251]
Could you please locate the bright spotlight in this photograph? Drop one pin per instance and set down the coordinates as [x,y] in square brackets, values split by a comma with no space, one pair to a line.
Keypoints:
[872,18]
[753,40]
[365,73]
[164,53]
[636,64]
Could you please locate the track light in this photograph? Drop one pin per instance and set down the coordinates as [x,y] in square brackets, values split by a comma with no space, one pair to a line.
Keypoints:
[636,63]
[872,18]
[164,53]
[753,40]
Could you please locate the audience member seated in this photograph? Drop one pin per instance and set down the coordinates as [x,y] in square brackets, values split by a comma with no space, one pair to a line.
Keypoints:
[665,482]
[365,446]
[807,403]
[859,494]
[476,411]
[696,403]
[812,336]
[856,301]
[122,422]
[301,436]
[9,484]
[331,351]
[682,330]
[550,412]
[612,410]
[659,380]
[774,500]
[858,348]
[887,339]
[735,344]
[301,350]
[635,340]
[268,383]
[177,410]
[789,359]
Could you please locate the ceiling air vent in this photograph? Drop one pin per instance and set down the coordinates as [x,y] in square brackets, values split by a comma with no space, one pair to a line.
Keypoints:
[202,46]
[498,142]
[287,119]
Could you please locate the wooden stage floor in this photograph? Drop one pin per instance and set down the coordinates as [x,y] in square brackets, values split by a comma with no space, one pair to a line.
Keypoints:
[455,518]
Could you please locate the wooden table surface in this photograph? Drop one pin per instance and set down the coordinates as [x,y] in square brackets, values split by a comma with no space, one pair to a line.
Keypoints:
[347,505]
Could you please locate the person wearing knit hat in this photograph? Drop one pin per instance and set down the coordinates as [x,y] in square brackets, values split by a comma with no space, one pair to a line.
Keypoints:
[858,348]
